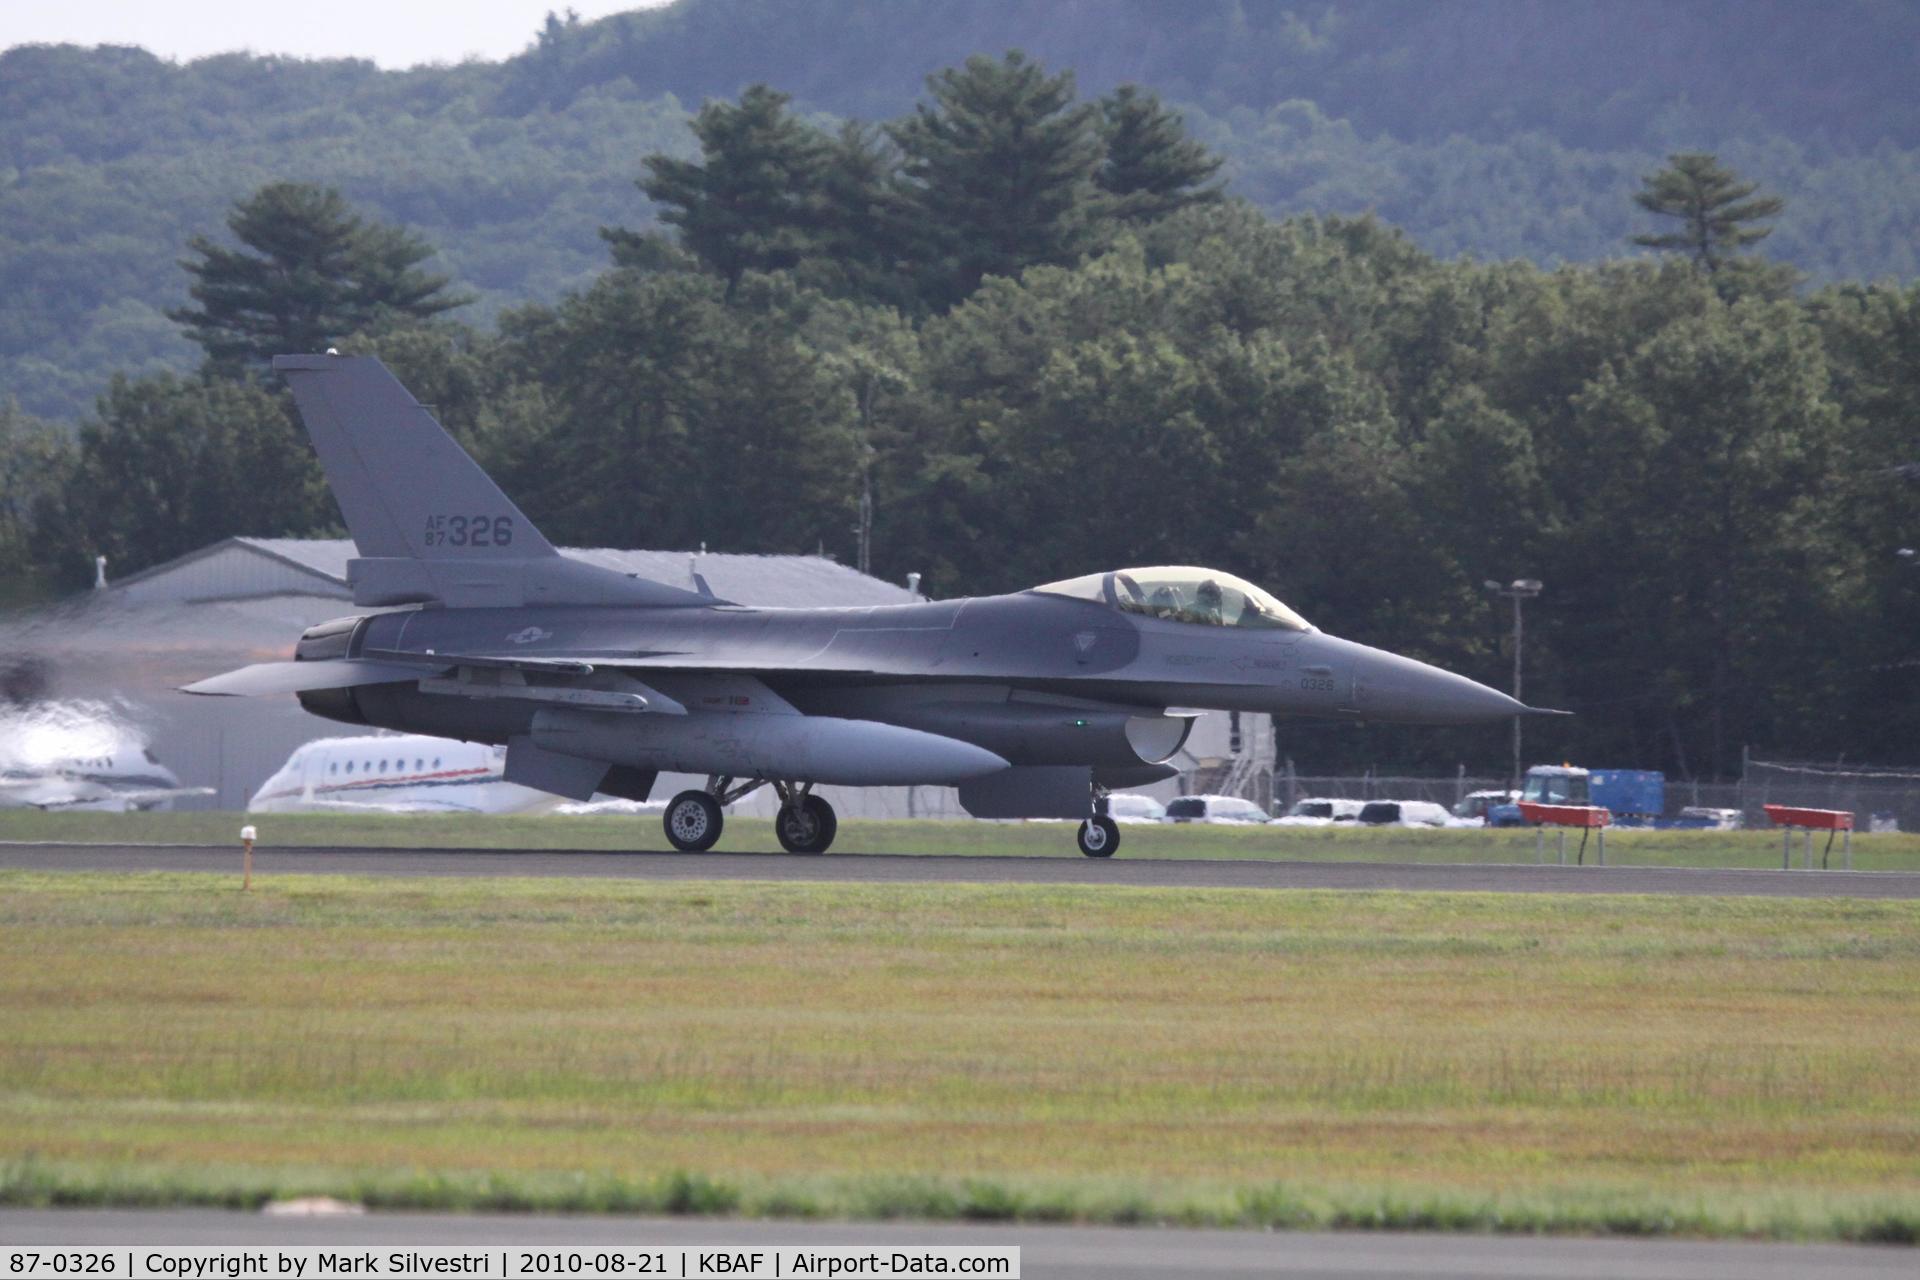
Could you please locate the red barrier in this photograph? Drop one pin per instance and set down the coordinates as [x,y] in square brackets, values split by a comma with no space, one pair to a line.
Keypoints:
[1565,815]
[1818,819]
[1830,821]
[1588,817]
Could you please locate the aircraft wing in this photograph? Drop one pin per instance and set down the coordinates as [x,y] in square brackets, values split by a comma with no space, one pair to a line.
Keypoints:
[587,664]
[154,795]
[484,661]
[465,674]
[379,666]
[397,806]
[638,664]
[54,797]
[38,793]
[699,662]
[300,677]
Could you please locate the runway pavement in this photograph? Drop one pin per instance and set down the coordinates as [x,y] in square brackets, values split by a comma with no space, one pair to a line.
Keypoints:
[1122,1253]
[883,868]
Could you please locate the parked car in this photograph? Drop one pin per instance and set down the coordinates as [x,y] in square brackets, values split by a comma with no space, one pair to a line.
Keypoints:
[1316,811]
[1126,807]
[1703,818]
[1474,804]
[1404,813]
[1214,809]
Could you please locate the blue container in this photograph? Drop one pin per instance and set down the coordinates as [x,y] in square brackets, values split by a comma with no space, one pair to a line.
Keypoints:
[1633,796]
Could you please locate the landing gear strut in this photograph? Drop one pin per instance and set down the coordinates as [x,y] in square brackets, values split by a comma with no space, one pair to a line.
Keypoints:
[805,823]
[1099,834]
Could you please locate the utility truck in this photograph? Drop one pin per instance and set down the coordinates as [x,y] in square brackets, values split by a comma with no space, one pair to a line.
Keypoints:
[1635,797]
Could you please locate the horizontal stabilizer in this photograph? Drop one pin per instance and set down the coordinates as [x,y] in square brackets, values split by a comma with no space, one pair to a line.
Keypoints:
[300,677]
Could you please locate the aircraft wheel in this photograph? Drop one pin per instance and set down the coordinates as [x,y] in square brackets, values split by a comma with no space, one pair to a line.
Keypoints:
[1099,837]
[806,827]
[693,822]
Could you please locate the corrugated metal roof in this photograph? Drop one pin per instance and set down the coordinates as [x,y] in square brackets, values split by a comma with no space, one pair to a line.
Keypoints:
[319,566]
[233,569]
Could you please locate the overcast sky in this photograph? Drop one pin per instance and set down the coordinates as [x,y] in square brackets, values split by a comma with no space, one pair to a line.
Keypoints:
[394,33]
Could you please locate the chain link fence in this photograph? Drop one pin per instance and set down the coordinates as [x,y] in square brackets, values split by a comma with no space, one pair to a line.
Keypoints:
[1289,786]
[1881,799]
[1888,796]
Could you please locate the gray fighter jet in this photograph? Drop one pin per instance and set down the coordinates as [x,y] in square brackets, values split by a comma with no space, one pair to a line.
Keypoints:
[1033,704]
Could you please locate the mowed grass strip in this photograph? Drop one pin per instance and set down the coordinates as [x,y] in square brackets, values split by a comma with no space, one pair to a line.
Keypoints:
[1898,851]
[1744,1066]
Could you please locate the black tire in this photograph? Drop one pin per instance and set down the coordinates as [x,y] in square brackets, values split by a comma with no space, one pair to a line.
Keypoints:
[1099,837]
[693,822]
[806,827]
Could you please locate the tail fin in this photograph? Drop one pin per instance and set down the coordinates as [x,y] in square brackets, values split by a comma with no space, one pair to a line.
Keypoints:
[407,489]
[431,526]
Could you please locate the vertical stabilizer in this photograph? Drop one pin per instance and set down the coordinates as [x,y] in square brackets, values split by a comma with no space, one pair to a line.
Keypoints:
[406,487]
[431,526]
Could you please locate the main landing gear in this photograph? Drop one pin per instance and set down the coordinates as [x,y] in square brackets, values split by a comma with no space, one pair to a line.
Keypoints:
[1099,834]
[805,823]
[693,821]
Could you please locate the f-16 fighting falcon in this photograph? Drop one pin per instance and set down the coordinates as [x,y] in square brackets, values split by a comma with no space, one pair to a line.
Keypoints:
[1033,704]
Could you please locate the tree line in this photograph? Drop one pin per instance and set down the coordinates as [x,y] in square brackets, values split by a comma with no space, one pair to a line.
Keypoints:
[1016,336]
[1522,133]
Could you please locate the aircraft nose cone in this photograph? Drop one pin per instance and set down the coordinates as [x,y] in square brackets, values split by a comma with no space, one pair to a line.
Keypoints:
[1390,687]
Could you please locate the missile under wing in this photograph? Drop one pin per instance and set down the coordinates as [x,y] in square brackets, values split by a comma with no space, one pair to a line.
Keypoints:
[1033,704]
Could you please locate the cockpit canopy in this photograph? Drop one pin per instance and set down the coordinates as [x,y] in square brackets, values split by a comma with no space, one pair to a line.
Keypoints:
[1183,593]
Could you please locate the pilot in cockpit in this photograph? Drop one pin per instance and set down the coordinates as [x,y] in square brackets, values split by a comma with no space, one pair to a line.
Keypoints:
[1183,593]
[1209,606]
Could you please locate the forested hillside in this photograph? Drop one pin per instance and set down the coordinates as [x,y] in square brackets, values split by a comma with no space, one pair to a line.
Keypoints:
[1501,128]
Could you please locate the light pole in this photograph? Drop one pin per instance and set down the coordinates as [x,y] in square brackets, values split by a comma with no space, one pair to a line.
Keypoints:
[1520,589]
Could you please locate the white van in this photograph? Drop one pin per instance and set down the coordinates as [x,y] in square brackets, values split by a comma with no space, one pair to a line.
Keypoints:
[1125,807]
[1214,809]
[1316,811]
[1403,813]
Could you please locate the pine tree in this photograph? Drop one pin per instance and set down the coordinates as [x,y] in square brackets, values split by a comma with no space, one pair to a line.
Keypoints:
[1152,168]
[1715,207]
[1002,161]
[753,200]
[309,271]
[870,238]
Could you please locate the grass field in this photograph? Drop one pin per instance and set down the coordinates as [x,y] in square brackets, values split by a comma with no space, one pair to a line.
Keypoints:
[1523,1063]
[1898,852]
